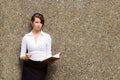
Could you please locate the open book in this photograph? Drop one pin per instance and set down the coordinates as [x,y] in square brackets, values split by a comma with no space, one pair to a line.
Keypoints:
[52,58]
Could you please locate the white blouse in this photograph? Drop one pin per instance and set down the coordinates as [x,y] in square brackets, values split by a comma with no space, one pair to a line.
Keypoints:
[40,50]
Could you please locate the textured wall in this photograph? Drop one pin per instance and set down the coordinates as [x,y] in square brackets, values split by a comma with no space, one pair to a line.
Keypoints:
[88,31]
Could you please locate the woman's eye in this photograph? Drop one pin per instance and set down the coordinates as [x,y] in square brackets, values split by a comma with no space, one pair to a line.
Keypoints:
[36,22]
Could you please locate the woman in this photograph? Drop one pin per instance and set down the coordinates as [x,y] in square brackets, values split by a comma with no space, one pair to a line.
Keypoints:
[35,47]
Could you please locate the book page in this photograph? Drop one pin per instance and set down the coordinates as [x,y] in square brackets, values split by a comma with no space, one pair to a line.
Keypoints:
[57,55]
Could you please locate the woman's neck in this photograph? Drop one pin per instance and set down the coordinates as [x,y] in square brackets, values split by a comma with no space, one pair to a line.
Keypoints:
[35,32]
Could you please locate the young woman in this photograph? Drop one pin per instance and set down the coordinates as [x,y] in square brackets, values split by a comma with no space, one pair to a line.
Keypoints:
[35,47]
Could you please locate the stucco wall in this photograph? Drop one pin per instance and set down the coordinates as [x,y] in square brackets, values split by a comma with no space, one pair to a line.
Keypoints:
[88,31]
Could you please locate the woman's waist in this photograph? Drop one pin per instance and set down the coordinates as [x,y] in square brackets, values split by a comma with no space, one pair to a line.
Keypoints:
[38,55]
[37,52]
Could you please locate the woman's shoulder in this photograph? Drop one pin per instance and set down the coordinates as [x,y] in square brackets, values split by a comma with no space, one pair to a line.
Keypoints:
[45,34]
[27,34]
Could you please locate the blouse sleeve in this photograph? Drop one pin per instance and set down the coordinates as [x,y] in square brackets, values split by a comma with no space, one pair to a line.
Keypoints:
[49,42]
[23,47]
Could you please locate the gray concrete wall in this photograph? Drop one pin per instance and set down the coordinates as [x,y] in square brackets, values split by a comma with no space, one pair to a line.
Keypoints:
[88,31]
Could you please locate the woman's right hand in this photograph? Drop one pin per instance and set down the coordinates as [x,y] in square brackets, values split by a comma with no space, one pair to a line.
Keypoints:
[26,57]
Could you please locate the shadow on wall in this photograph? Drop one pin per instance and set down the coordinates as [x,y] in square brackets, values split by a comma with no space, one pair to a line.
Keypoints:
[52,68]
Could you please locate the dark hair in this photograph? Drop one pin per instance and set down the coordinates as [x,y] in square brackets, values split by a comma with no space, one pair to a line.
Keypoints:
[38,15]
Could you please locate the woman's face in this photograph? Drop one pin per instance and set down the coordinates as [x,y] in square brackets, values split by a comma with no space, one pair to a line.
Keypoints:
[37,25]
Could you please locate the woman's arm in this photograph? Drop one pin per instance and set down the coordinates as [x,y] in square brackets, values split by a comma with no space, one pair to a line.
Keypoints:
[49,42]
[23,54]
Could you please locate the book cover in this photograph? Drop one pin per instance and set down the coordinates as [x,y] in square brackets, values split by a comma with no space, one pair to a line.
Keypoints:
[53,58]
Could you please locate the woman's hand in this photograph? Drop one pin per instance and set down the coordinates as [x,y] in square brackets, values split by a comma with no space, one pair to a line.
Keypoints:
[26,57]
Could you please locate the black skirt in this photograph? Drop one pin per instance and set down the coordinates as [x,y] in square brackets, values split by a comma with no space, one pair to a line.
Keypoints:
[34,70]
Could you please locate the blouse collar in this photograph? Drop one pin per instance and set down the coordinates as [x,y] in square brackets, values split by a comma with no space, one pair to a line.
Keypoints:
[31,33]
